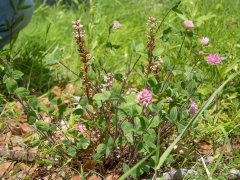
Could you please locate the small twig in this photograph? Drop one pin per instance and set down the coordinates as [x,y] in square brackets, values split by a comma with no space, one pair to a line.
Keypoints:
[68,68]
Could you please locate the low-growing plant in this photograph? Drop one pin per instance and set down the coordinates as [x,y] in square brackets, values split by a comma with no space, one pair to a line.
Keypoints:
[132,117]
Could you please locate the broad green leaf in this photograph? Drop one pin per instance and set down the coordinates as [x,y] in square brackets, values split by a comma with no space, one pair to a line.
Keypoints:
[149,136]
[16,74]
[101,150]
[56,101]
[78,111]
[137,123]
[155,122]
[126,168]
[11,85]
[31,117]
[118,77]
[173,114]
[150,146]
[129,137]
[12,5]
[139,47]
[203,18]
[47,162]
[183,17]
[175,6]
[83,101]
[158,52]
[144,54]
[110,145]
[113,51]
[102,96]
[139,109]
[35,143]
[72,151]
[41,125]
[61,110]
[89,108]
[51,96]
[33,102]
[180,125]
[83,143]
[53,127]
[145,167]
[191,87]
[22,92]
[53,58]
[117,97]
[158,107]
[127,127]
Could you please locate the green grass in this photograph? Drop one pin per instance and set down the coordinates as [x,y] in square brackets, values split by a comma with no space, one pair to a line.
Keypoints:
[51,27]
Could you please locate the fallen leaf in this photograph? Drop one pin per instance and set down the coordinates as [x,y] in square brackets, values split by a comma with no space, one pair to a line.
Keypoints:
[15,128]
[6,166]
[204,147]
[18,107]
[93,177]
[210,159]
[88,165]
[228,150]
[16,139]
[70,89]
[26,128]
[56,90]
[23,166]
[17,148]
[45,101]
[75,178]
[32,170]
[22,118]
[109,177]
[2,138]
[115,177]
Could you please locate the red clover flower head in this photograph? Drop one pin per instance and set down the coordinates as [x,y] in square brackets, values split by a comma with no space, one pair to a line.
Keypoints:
[200,52]
[79,127]
[116,24]
[188,24]
[205,41]
[213,59]
[192,108]
[144,98]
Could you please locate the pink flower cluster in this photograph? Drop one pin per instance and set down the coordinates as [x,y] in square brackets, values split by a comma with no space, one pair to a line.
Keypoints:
[192,108]
[79,127]
[116,25]
[205,41]
[213,59]
[188,24]
[144,98]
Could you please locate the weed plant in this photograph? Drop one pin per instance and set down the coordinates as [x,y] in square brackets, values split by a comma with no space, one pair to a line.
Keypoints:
[150,75]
